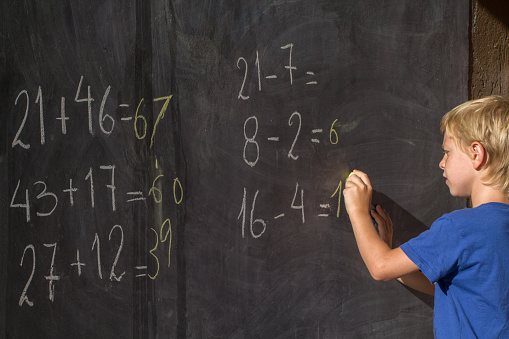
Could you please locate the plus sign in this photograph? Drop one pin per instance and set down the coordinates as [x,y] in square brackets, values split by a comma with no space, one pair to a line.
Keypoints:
[70,190]
[78,263]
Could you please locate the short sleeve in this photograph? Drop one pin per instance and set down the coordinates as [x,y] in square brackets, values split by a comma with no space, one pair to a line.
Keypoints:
[436,251]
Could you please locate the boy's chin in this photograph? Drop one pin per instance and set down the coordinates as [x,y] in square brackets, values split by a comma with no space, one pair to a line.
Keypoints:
[458,195]
[455,192]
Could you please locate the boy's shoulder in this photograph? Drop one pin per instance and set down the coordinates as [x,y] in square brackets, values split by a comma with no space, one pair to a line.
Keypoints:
[488,215]
[490,207]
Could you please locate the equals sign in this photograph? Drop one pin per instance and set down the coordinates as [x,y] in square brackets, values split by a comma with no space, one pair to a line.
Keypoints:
[137,196]
[327,206]
[311,82]
[315,131]
[126,118]
[140,268]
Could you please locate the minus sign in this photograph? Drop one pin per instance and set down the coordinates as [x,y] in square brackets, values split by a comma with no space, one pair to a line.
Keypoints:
[273,139]
[123,105]
[323,215]
[318,130]
[271,77]
[310,73]
[279,216]
[312,83]
[126,118]
[316,141]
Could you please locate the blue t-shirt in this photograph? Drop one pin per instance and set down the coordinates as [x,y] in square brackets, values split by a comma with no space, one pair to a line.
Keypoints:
[466,253]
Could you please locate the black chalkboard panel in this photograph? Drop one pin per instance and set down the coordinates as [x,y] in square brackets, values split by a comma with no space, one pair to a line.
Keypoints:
[174,169]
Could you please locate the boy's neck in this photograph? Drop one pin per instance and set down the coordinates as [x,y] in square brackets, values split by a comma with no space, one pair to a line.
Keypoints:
[485,194]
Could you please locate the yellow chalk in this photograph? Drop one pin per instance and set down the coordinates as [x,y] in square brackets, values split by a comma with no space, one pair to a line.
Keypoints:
[349,175]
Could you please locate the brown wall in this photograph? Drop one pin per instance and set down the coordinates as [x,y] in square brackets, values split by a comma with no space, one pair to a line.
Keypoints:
[489,52]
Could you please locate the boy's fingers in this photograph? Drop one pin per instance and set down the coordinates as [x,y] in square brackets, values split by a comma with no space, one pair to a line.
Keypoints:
[355,179]
[379,220]
[382,213]
[383,216]
[363,176]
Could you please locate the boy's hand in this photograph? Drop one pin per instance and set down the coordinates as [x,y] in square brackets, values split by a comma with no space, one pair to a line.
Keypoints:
[384,222]
[357,193]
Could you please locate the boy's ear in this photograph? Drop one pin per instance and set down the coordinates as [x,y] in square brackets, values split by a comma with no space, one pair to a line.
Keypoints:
[478,155]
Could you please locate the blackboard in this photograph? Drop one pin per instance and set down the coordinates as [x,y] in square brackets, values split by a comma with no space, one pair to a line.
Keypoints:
[174,168]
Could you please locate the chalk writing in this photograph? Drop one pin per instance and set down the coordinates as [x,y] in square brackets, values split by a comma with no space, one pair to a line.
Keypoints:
[98,186]
[254,148]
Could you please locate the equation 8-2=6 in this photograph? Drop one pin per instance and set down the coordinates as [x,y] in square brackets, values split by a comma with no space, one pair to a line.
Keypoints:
[251,135]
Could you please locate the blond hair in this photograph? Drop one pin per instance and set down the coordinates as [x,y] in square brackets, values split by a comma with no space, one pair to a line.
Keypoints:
[486,121]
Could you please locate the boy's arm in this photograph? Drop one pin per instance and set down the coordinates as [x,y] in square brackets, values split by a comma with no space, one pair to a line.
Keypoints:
[382,262]
[418,281]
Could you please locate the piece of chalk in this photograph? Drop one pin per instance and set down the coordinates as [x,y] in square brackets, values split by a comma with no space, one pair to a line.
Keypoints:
[349,175]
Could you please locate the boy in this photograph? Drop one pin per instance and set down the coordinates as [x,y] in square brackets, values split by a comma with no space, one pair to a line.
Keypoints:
[463,259]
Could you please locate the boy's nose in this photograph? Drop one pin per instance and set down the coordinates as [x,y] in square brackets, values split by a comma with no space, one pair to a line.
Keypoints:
[441,164]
